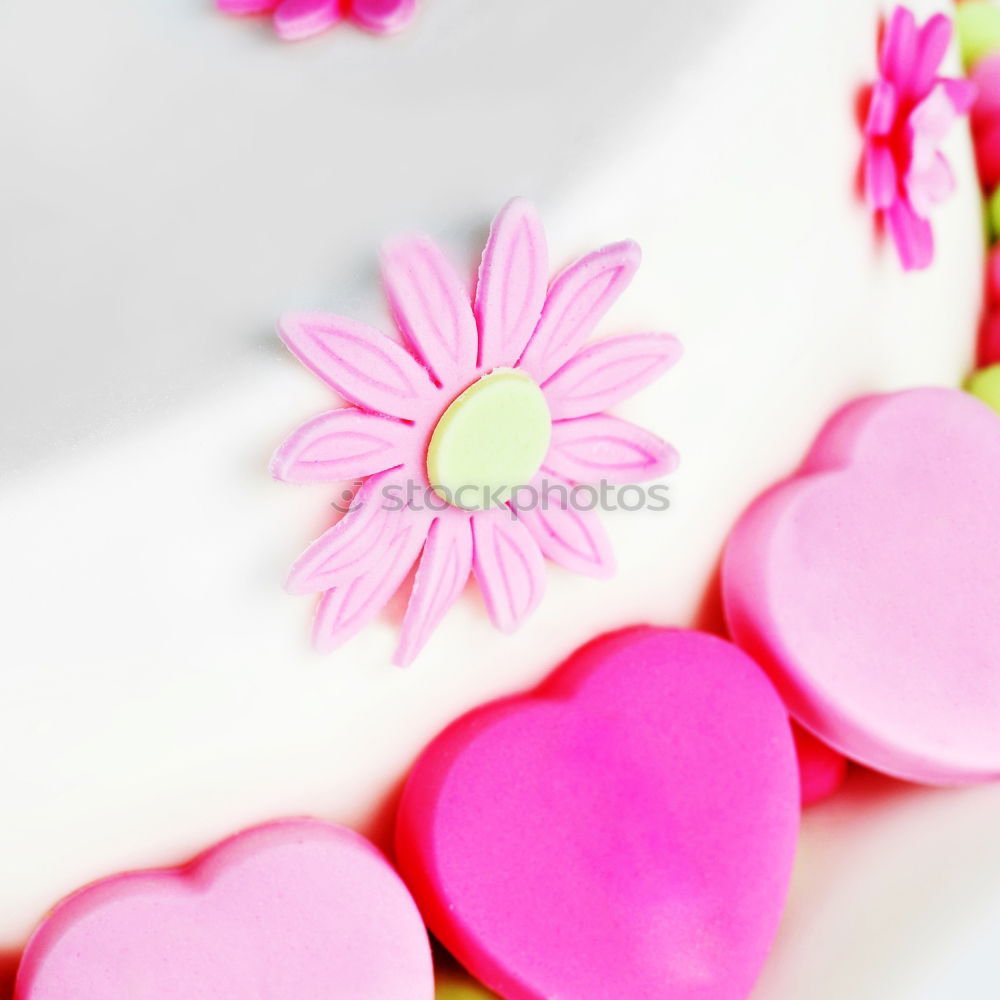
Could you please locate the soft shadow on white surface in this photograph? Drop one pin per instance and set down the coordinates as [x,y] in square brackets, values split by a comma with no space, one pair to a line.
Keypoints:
[896,896]
[175,178]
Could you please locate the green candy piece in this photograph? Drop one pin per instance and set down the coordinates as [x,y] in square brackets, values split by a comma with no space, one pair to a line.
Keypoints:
[993,213]
[453,989]
[978,23]
[985,385]
[492,439]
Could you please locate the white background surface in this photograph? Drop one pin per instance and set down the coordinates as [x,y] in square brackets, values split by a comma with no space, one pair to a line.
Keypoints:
[173,180]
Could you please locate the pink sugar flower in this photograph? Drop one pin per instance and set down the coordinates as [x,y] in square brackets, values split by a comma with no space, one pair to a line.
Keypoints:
[295,19]
[471,439]
[911,111]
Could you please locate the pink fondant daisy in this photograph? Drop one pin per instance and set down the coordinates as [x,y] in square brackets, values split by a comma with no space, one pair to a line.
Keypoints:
[473,441]
[911,111]
[295,19]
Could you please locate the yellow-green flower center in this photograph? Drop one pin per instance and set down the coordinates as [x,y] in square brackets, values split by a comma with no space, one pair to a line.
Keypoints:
[491,439]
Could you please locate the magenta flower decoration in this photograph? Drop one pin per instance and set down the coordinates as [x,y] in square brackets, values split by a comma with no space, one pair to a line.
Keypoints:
[911,111]
[295,19]
[476,440]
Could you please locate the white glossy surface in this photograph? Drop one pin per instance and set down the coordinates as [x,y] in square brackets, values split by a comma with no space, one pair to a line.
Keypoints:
[896,896]
[175,180]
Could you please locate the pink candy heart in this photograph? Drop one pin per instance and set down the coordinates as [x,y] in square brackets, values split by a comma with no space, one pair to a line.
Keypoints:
[626,831]
[821,769]
[297,910]
[869,585]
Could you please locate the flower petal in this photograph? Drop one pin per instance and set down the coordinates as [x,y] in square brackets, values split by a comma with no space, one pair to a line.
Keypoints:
[575,539]
[508,566]
[431,308]
[931,120]
[343,444]
[346,609]
[350,547]
[961,93]
[608,372]
[880,176]
[383,16]
[360,363]
[512,283]
[298,19]
[444,569]
[932,44]
[578,299]
[928,182]
[912,235]
[591,449]
[881,108]
[899,48]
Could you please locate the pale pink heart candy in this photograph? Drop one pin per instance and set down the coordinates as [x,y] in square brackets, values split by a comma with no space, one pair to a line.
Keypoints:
[295,910]
[625,832]
[869,585]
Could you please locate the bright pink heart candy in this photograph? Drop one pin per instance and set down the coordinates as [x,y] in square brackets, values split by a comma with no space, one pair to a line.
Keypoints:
[624,832]
[986,76]
[821,769]
[987,148]
[985,120]
[868,584]
[993,275]
[296,910]
[988,351]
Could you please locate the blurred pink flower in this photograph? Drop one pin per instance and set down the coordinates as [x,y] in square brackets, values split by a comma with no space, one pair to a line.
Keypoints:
[295,19]
[911,111]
